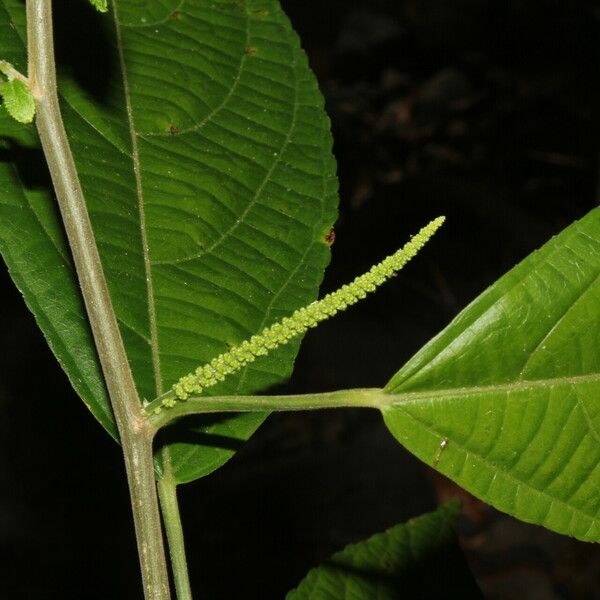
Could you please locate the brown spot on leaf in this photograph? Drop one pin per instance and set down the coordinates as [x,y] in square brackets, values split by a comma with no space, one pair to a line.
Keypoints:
[176,14]
[250,50]
[173,130]
[330,237]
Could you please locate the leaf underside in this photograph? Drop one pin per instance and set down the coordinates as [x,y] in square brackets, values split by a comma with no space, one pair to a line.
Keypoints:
[506,400]
[417,559]
[205,157]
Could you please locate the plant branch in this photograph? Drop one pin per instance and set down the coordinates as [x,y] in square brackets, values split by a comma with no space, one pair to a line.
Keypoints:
[359,398]
[167,492]
[135,432]
[11,73]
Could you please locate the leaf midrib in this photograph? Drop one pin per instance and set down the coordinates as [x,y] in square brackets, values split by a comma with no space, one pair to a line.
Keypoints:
[514,386]
[158,383]
[404,398]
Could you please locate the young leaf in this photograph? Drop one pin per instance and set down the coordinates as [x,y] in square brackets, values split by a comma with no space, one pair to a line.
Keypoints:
[506,400]
[210,182]
[100,5]
[417,559]
[18,100]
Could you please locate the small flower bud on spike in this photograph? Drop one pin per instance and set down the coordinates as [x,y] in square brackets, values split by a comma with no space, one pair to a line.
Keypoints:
[298,323]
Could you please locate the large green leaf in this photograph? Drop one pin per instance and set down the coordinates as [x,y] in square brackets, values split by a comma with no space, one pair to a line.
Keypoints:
[506,400]
[417,559]
[205,156]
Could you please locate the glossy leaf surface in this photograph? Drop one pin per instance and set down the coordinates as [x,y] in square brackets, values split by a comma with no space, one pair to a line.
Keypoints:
[506,400]
[205,156]
[417,559]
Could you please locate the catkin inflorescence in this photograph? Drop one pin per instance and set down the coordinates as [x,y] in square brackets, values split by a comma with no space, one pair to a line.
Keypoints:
[299,322]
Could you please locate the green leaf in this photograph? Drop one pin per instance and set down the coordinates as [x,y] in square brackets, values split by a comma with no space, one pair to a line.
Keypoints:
[417,559]
[100,5]
[209,177]
[506,400]
[18,100]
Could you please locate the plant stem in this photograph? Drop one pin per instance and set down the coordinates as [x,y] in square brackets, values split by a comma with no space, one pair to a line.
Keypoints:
[360,398]
[167,492]
[135,432]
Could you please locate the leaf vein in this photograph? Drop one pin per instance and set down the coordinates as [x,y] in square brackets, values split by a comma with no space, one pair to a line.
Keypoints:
[200,124]
[494,468]
[255,198]
[140,197]
[570,306]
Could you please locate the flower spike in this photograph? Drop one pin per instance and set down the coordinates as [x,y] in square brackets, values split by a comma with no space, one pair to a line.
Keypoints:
[298,323]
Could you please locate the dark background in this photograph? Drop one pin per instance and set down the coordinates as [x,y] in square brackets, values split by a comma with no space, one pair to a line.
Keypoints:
[486,112]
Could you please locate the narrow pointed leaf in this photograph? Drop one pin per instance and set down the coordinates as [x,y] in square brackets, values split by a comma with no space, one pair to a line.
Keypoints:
[417,559]
[205,156]
[506,400]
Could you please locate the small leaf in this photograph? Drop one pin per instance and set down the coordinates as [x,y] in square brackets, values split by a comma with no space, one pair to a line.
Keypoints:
[100,5]
[506,400]
[417,559]
[18,100]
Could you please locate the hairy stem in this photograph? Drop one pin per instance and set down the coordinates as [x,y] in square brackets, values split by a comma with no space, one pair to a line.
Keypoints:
[135,432]
[360,398]
[167,491]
